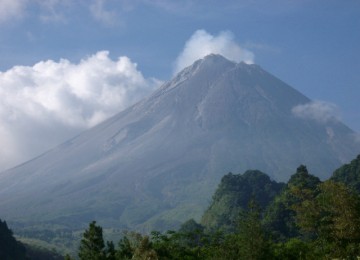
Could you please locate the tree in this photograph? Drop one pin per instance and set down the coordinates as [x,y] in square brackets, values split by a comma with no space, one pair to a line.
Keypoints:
[339,224]
[349,174]
[233,195]
[9,247]
[145,251]
[92,245]
[68,257]
[330,214]
[127,245]
[294,248]
[281,218]
[110,251]
[305,206]
[252,241]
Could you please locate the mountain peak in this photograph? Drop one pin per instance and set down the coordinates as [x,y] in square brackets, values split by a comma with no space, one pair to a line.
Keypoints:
[214,57]
[211,60]
[218,62]
[209,66]
[218,58]
[214,63]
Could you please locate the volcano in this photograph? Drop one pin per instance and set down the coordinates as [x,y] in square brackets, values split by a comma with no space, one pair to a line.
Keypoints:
[157,163]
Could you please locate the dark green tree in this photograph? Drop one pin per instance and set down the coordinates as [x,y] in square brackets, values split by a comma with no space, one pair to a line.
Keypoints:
[145,251]
[92,246]
[9,247]
[349,174]
[252,241]
[293,249]
[183,244]
[338,225]
[128,244]
[68,257]
[233,195]
[110,251]
[280,217]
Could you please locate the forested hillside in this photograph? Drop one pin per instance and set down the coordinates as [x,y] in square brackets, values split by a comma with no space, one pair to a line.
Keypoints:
[250,217]
[349,174]
[253,217]
[233,195]
[11,249]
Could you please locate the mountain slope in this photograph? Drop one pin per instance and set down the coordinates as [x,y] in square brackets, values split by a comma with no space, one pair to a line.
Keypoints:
[158,162]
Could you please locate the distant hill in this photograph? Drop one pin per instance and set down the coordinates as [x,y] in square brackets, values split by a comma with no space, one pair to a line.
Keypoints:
[253,217]
[233,196]
[349,174]
[157,163]
[278,202]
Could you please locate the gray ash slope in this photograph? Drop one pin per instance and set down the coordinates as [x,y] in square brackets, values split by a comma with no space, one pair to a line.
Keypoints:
[158,162]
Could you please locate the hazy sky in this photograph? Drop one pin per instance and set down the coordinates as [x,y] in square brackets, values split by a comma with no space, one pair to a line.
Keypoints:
[68,64]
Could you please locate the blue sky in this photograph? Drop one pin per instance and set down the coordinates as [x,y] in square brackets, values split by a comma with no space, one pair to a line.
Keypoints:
[68,64]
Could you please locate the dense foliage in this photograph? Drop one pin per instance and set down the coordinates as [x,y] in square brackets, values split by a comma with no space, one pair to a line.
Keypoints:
[233,195]
[349,174]
[279,217]
[9,247]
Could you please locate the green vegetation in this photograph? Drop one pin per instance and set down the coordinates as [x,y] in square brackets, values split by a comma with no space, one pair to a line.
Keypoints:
[253,217]
[250,217]
[9,247]
[92,245]
[349,174]
[233,195]
[280,216]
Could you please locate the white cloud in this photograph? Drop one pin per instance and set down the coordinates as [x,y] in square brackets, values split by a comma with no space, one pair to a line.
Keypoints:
[51,101]
[320,111]
[201,43]
[11,9]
